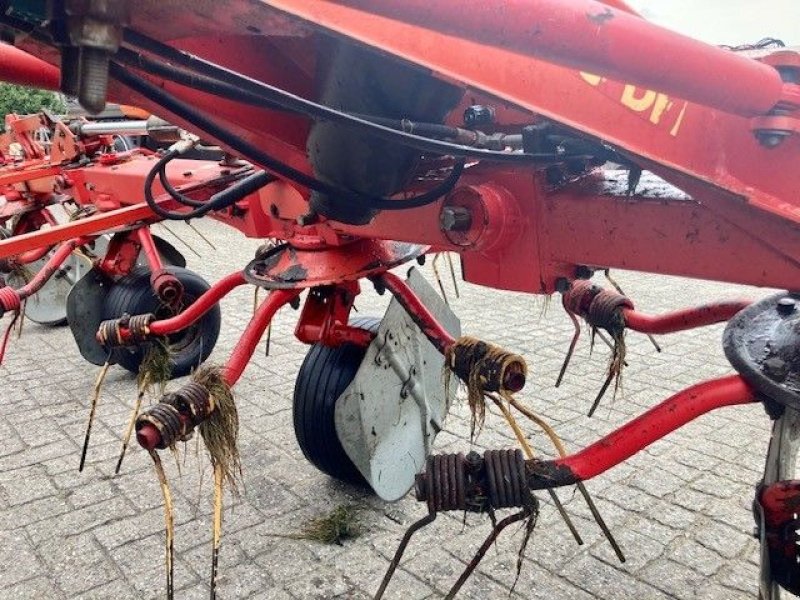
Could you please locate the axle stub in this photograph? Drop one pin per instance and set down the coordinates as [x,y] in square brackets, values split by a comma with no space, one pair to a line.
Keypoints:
[762,343]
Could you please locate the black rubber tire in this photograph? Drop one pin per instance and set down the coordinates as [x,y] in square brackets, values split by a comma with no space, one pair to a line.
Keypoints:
[324,375]
[134,295]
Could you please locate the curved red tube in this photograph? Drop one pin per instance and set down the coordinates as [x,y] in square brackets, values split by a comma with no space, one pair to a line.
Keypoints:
[200,306]
[681,320]
[420,314]
[243,351]
[673,413]
[51,266]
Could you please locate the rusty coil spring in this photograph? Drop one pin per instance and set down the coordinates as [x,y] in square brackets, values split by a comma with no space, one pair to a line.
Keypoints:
[476,484]
[193,401]
[167,419]
[136,328]
[578,298]
[605,310]
[443,483]
[486,367]
[9,300]
[508,483]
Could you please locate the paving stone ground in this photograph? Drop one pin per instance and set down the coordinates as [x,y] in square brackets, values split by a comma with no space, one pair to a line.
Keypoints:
[680,509]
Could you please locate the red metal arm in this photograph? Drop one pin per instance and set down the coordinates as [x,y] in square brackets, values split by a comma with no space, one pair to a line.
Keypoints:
[636,435]
[590,36]
[681,320]
[243,351]
[11,299]
[199,307]
[432,329]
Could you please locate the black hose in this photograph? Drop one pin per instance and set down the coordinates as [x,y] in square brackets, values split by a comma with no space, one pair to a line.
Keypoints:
[216,80]
[203,122]
[218,201]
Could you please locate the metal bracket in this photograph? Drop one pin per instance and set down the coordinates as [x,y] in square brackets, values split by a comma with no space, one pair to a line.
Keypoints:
[389,416]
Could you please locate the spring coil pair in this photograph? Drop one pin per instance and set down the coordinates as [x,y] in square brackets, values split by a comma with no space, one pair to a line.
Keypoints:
[177,414]
[126,331]
[496,480]
[600,307]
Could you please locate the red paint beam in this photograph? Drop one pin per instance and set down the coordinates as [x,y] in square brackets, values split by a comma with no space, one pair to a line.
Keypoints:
[658,422]
[591,36]
[20,68]
[682,320]
[94,225]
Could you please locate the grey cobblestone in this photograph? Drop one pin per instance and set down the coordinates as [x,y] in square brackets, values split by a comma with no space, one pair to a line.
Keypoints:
[680,510]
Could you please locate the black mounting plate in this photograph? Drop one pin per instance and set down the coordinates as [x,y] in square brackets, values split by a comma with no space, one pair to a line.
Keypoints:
[762,343]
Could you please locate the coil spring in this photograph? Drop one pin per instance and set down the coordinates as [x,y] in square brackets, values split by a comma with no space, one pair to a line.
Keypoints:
[167,419]
[578,298]
[453,482]
[137,328]
[604,311]
[505,473]
[445,485]
[192,401]
[9,299]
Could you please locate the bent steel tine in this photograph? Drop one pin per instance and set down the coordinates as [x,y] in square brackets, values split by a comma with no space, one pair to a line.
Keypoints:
[487,543]
[398,555]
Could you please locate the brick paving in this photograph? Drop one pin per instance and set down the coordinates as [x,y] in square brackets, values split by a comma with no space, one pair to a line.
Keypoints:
[681,509]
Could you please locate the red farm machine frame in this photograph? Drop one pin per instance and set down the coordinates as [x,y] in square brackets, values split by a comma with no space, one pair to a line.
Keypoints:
[382,130]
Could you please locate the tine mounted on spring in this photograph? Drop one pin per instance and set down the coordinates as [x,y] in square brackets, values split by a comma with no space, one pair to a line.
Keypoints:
[617,287]
[398,555]
[98,386]
[575,337]
[439,277]
[181,240]
[606,341]
[601,523]
[609,378]
[453,273]
[200,235]
[487,543]
[565,516]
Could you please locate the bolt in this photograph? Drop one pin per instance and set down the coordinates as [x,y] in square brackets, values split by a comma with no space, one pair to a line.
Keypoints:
[455,218]
[421,260]
[562,285]
[776,368]
[93,84]
[786,306]
[771,138]
[474,461]
[477,115]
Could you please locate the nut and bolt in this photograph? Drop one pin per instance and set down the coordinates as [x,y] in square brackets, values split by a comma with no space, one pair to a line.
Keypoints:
[786,306]
[776,368]
[455,218]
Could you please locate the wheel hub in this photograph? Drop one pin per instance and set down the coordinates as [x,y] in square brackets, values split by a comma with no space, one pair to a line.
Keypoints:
[763,344]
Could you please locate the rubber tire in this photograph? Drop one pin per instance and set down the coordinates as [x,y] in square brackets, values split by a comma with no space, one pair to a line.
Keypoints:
[324,375]
[134,295]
